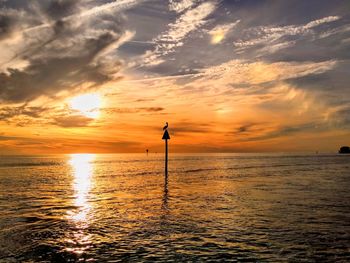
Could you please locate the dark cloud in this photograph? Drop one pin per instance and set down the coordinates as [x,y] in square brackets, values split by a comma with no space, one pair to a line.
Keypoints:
[8,138]
[133,110]
[6,25]
[22,140]
[62,55]
[243,129]
[342,117]
[6,113]
[51,75]
[72,121]
[63,117]
[25,115]
[70,145]
[190,127]
[152,109]
[113,145]
[287,131]
[145,100]
[249,128]
[336,79]
[10,20]
[58,9]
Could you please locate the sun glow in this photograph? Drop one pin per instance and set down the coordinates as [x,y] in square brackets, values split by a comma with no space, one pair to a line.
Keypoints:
[88,105]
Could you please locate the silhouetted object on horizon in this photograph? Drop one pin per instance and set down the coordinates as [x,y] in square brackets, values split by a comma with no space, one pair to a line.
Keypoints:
[166,137]
[344,149]
[147,151]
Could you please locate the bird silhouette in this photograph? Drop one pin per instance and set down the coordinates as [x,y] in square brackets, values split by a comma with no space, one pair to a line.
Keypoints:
[166,126]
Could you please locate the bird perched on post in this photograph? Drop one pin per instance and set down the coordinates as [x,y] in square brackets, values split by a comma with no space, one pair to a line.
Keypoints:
[165,127]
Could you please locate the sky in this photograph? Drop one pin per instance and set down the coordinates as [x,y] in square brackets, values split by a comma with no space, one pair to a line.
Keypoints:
[88,76]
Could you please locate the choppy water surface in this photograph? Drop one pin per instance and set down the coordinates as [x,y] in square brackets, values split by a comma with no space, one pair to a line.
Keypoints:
[110,208]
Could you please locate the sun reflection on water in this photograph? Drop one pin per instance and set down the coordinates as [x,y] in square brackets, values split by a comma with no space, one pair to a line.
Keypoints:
[82,171]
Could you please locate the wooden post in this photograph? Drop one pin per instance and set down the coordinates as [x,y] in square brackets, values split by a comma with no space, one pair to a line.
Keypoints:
[166,157]
[166,137]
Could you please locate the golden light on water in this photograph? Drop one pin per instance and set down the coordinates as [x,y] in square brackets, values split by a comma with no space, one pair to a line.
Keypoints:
[82,172]
[82,169]
[88,105]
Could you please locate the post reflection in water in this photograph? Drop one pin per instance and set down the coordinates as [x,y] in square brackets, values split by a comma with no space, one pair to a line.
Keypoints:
[82,171]
[165,205]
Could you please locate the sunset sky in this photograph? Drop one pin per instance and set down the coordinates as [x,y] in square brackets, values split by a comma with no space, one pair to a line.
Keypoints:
[88,76]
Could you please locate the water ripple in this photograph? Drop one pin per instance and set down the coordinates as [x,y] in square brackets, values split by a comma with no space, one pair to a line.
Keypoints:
[211,208]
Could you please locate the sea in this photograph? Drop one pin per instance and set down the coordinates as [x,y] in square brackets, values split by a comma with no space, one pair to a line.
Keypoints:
[208,208]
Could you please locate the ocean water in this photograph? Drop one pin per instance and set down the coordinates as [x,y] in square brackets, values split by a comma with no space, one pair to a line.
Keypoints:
[210,208]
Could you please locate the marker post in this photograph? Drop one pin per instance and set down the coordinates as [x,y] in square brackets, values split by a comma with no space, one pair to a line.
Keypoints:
[166,137]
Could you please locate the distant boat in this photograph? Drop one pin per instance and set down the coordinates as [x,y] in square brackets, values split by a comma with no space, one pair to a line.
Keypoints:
[344,149]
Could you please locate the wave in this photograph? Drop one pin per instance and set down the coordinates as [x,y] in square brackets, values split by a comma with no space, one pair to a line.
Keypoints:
[31,164]
[198,170]
[244,167]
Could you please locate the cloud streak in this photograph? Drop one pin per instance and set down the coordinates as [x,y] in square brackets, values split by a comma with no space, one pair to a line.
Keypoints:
[180,5]
[241,71]
[116,6]
[173,38]
[270,35]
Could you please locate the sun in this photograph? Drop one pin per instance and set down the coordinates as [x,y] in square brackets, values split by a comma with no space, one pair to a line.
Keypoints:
[88,105]
[217,37]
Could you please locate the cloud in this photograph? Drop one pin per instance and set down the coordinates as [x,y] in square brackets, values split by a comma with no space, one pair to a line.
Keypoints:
[20,140]
[13,20]
[287,131]
[72,121]
[58,9]
[248,129]
[62,116]
[313,120]
[226,74]
[242,71]
[6,25]
[339,116]
[246,72]
[321,21]
[46,76]
[219,32]
[65,54]
[334,31]
[8,138]
[119,5]
[184,127]
[275,47]
[180,5]
[6,113]
[65,145]
[25,115]
[270,35]
[133,110]
[173,38]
